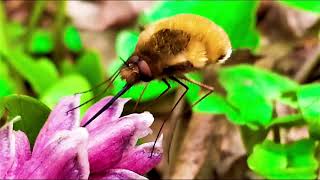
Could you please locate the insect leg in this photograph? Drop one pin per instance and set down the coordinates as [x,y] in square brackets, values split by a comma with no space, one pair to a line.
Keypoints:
[166,90]
[175,105]
[96,96]
[204,86]
[143,91]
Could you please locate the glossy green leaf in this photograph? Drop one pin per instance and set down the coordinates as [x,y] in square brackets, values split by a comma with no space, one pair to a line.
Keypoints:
[41,42]
[266,82]
[90,66]
[278,161]
[72,39]
[309,103]
[33,113]
[153,90]
[313,6]
[237,18]
[125,43]
[41,74]
[252,90]
[67,86]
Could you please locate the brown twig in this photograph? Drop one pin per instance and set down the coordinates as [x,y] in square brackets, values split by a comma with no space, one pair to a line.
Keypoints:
[311,61]
[193,155]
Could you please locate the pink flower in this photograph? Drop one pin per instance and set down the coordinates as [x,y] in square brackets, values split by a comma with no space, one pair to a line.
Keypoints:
[105,149]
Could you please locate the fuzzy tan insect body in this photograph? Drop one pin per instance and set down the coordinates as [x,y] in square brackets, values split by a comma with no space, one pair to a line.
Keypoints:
[177,45]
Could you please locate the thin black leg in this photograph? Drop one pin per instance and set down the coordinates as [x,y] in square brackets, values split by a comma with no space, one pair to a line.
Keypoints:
[166,90]
[175,105]
[137,103]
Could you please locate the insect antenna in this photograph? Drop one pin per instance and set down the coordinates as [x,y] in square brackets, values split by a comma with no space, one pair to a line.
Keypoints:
[124,62]
[100,84]
[111,79]
[175,105]
[105,107]
[98,95]
[105,81]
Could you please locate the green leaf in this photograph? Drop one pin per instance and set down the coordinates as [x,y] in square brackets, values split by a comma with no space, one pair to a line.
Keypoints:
[7,84]
[290,161]
[72,39]
[67,86]
[252,137]
[41,74]
[125,43]
[313,6]
[90,66]
[266,82]
[153,90]
[41,42]
[253,107]
[309,103]
[237,18]
[67,67]
[287,121]
[33,113]
[252,90]
[214,103]
[15,31]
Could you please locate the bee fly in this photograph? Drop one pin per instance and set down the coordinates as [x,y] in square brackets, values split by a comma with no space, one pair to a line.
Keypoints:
[169,48]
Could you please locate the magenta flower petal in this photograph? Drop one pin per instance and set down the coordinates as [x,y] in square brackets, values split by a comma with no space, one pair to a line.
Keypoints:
[65,151]
[142,123]
[6,149]
[118,174]
[58,120]
[107,144]
[111,114]
[139,159]
[22,153]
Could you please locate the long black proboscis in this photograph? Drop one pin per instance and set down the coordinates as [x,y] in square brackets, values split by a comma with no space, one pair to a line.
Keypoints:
[105,107]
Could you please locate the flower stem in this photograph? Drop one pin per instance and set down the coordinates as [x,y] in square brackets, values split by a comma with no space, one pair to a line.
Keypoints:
[58,26]
[3,41]
[35,16]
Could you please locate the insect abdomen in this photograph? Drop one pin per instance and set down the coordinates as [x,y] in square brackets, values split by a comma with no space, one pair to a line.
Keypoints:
[202,32]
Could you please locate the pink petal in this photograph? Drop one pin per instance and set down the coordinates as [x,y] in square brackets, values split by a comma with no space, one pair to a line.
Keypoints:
[58,120]
[139,160]
[142,123]
[115,174]
[108,143]
[111,114]
[63,157]
[22,153]
[6,149]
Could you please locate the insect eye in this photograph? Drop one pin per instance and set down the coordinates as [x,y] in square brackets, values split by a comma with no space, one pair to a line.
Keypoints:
[134,59]
[144,70]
